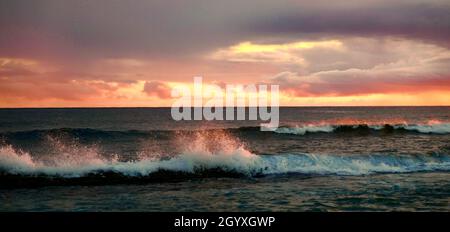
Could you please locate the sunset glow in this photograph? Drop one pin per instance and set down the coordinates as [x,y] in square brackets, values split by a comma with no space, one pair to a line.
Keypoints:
[109,60]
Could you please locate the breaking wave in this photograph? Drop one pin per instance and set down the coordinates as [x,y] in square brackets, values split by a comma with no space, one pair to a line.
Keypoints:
[18,168]
[200,154]
[430,128]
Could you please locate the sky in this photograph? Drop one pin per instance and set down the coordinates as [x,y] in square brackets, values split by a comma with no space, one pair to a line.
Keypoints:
[112,53]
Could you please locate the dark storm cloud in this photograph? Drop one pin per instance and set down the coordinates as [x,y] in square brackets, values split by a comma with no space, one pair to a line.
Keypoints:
[116,28]
[157,28]
[412,20]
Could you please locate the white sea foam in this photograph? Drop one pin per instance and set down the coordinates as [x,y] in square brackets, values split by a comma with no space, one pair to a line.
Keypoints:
[353,165]
[436,128]
[301,130]
[211,150]
[238,160]
[429,128]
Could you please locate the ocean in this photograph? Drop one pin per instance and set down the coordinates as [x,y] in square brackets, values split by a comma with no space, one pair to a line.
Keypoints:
[139,159]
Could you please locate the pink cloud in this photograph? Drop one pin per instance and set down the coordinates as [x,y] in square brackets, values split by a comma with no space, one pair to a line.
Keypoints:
[157,89]
[359,82]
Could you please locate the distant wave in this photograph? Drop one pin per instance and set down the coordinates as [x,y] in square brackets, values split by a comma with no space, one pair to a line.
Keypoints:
[19,168]
[436,128]
[431,128]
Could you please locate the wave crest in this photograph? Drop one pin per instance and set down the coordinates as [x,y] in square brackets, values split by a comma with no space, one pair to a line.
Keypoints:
[204,154]
[429,128]
[238,161]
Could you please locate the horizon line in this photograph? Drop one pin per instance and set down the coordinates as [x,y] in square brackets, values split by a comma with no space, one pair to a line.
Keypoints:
[154,107]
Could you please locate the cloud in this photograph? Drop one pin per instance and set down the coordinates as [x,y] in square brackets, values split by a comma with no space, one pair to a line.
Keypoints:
[105,49]
[307,57]
[364,66]
[430,75]
[420,20]
[31,80]
[157,89]
[284,53]
[84,30]
[12,67]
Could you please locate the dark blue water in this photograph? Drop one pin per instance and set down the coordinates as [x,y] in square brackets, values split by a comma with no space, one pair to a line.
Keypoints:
[139,159]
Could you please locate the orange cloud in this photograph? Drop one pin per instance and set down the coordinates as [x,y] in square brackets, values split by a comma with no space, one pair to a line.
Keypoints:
[158,89]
